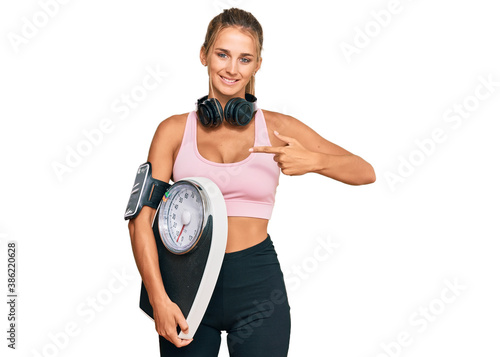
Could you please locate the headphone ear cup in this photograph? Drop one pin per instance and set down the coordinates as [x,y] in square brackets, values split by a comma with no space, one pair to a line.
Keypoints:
[204,115]
[228,110]
[210,113]
[238,111]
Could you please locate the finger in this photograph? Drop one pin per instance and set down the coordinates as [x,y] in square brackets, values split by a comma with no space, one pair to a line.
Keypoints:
[181,321]
[284,138]
[266,149]
[183,343]
[179,342]
[175,339]
[286,172]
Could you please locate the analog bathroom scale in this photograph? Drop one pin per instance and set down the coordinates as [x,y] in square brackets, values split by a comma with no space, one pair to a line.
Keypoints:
[190,229]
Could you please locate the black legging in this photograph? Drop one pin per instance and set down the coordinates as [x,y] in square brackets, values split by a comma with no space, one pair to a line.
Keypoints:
[250,303]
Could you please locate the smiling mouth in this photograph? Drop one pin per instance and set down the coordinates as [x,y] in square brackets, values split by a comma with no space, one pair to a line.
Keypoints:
[229,81]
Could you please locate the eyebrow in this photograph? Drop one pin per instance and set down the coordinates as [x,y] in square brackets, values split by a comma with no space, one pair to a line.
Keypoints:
[227,51]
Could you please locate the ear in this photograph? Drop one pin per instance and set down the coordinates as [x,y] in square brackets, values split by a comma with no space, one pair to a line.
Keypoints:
[259,63]
[203,58]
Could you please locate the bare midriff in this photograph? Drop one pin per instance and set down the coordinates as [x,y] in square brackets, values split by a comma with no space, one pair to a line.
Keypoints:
[245,232]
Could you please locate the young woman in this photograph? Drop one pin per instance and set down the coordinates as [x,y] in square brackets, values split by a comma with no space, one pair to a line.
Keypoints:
[249,301]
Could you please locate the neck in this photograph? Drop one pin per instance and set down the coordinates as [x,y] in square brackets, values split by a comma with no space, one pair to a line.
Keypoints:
[223,98]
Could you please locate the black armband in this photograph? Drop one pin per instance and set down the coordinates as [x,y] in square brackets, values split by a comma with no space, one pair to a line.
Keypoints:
[146,191]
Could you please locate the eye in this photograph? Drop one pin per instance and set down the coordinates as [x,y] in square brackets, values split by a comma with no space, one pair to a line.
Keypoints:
[222,55]
[246,60]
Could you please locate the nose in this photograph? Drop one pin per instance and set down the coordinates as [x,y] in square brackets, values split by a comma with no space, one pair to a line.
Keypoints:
[232,66]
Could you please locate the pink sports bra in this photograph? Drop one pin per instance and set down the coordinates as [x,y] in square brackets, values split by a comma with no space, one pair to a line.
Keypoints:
[248,186]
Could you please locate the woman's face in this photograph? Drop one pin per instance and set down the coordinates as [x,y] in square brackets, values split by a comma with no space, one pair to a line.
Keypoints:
[232,61]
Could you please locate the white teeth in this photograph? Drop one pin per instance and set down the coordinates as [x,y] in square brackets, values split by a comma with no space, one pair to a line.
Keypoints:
[229,80]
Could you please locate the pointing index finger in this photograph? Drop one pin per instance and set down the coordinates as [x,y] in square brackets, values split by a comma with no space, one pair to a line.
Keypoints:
[266,149]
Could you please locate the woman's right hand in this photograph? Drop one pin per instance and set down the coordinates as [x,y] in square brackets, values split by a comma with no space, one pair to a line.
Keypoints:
[167,316]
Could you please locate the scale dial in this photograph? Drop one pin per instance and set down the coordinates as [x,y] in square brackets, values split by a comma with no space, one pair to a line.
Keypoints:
[182,217]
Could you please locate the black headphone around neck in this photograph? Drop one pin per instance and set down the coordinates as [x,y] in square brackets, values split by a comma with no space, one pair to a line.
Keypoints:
[238,111]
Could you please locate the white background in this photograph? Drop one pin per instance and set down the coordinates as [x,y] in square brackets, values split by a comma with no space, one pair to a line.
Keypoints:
[397,244]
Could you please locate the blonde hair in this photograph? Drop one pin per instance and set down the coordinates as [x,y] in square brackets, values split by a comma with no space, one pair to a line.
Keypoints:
[242,20]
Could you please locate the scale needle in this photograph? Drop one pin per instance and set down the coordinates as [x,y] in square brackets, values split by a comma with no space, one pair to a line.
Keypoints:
[180,233]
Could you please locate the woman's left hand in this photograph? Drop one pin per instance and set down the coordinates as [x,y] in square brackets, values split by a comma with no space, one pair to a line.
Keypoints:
[293,159]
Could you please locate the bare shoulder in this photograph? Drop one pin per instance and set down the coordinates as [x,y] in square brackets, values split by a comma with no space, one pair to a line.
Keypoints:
[173,125]
[170,131]
[275,118]
[283,124]
[166,143]
[289,126]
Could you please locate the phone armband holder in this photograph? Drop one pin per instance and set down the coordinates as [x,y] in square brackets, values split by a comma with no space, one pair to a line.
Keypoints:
[146,191]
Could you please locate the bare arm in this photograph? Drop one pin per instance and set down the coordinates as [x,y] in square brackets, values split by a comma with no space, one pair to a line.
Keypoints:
[167,314]
[298,149]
